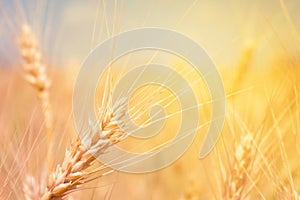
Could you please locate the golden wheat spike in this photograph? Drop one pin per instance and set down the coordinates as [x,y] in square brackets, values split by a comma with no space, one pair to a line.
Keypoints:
[35,74]
[79,157]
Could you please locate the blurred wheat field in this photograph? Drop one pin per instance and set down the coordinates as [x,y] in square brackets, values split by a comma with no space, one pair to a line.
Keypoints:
[257,155]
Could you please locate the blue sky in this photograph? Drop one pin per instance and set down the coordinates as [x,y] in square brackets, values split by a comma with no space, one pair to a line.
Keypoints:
[66,27]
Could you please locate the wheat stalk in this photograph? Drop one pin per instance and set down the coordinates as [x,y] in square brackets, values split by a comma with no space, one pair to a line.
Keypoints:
[296,195]
[78,158]
[236,181]
[35,74]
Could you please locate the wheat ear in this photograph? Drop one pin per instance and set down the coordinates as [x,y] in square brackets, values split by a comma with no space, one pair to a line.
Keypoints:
[243,157]
[80,156]
[35,74]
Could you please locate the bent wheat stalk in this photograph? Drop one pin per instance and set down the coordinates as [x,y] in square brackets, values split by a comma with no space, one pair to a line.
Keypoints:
[35,74]
[80,156]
